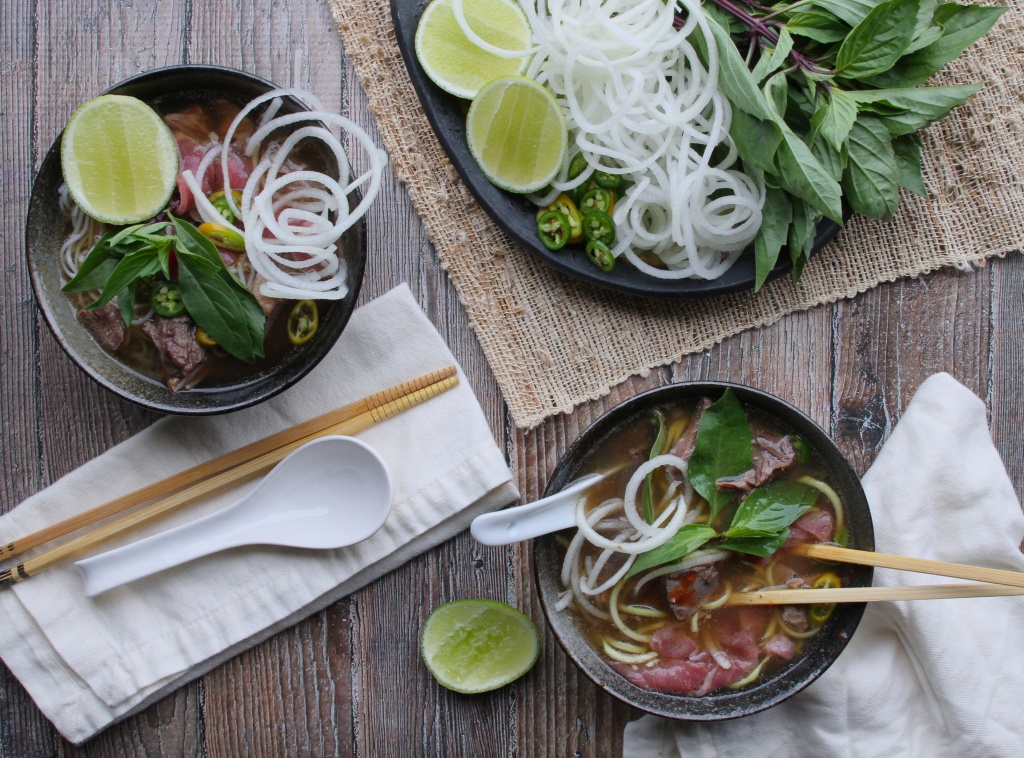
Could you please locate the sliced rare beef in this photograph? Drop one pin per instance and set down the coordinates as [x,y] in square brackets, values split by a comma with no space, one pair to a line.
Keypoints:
[106,325]
[814,526]
[686,590]
[180,353]
[771,455]
[685,444]
[267,304]
[795,617]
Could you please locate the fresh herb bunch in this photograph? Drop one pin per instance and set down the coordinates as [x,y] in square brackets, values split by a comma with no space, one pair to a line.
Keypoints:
[827,103]
[124,262]
[723,449]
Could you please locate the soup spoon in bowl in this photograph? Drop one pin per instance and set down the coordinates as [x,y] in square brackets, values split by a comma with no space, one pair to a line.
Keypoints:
[330,493]
[524,522]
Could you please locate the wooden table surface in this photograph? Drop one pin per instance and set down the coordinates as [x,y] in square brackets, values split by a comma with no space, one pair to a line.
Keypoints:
[349,680]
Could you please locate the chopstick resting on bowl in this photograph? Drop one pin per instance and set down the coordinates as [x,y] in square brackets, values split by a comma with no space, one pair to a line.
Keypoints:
[985,582]
[218,474]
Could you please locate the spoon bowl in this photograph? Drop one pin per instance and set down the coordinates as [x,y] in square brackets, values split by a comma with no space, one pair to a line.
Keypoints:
[330,493]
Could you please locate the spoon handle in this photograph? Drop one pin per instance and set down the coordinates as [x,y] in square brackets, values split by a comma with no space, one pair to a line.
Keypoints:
[524,522]
[156,553]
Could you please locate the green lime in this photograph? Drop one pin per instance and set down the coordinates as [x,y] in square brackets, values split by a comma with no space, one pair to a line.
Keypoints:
[478,645]
[455,63]
[120,160]
[517,134]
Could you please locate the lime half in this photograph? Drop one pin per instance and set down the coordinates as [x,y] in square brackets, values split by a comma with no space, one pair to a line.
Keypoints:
[120,160]
[517,134]
[454,62]
[478,645]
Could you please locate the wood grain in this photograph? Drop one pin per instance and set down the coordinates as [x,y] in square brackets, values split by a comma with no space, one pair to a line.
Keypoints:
[348,681]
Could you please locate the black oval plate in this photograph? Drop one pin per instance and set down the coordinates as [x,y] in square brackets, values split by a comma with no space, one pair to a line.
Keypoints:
[515,215]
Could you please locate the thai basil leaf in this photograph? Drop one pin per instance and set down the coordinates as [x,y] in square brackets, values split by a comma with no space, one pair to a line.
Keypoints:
[926,38]
[872,178]
[775,217]
[962,26]
[908,159]
[925,20]
[877,42]
[834,117]
[801,236]
[851,12]
[763,546]
[819,27]
[770,508]
[648,496]
[834,161]
[131,268]
[722,449]
[96,269]
[126,302]
[734,78]
[773,59]
[804,176]
[907,109]
[756,140]
[776,91]
[684,542]
[224,308]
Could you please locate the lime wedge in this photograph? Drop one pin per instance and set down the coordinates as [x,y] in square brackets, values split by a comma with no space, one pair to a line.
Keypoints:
[455,63]
[478,645]
[120,160]
[517,134]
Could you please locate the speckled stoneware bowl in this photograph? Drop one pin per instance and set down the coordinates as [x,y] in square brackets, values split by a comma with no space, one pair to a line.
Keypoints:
[167,89]
[824,647]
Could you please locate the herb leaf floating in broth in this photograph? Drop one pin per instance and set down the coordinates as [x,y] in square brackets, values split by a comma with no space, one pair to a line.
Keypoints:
[770,508]
[219,303]
[686,540]
[722,450]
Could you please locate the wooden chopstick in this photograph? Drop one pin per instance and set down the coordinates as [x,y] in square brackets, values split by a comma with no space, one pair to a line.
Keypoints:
[871,594]
[211,485]
[222,463]
[905,563]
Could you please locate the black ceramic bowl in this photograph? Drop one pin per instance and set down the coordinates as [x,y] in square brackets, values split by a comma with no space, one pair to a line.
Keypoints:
[821,650]
[167,89]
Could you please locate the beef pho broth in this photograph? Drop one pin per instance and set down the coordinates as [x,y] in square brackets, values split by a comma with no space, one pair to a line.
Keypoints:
[170,348]
[686,517]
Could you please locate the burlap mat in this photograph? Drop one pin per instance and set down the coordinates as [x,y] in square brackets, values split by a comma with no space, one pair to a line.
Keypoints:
[554,343]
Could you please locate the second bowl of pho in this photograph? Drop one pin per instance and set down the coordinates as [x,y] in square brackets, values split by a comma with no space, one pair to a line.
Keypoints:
[709,487]
[254,262]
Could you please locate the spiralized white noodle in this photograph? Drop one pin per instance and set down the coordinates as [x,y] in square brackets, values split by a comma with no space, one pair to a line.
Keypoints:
[299,258]
[638,102]
[85,231]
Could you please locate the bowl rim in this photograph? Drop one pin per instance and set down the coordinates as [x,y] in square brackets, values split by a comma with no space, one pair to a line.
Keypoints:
[266,389]
[793,678]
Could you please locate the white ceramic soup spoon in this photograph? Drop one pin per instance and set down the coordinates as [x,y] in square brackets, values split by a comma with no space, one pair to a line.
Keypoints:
[330,493]
[524,522]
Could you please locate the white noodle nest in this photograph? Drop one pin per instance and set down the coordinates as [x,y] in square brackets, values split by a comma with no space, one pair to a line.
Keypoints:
[304,212]
[638,102]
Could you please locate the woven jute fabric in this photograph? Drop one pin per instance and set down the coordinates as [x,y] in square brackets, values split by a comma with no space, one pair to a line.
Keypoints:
[553,342]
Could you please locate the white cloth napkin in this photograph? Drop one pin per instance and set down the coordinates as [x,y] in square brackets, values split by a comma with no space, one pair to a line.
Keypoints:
[932,678]
[88,663]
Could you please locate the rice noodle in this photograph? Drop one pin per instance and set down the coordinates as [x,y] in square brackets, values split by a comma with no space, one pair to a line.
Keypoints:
[639,103]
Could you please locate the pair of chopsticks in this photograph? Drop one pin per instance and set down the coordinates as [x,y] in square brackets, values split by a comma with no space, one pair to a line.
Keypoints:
[206,479]
[987,582]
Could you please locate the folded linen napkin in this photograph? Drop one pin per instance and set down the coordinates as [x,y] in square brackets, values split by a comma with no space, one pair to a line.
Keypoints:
[88,663]
[927,678]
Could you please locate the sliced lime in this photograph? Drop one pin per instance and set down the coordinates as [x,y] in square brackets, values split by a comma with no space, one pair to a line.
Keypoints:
[120,160]
[517,134]
[455,63]
[478,645]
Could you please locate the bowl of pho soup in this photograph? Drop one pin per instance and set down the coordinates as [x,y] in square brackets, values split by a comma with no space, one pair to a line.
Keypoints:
[166,361]
[707,486]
